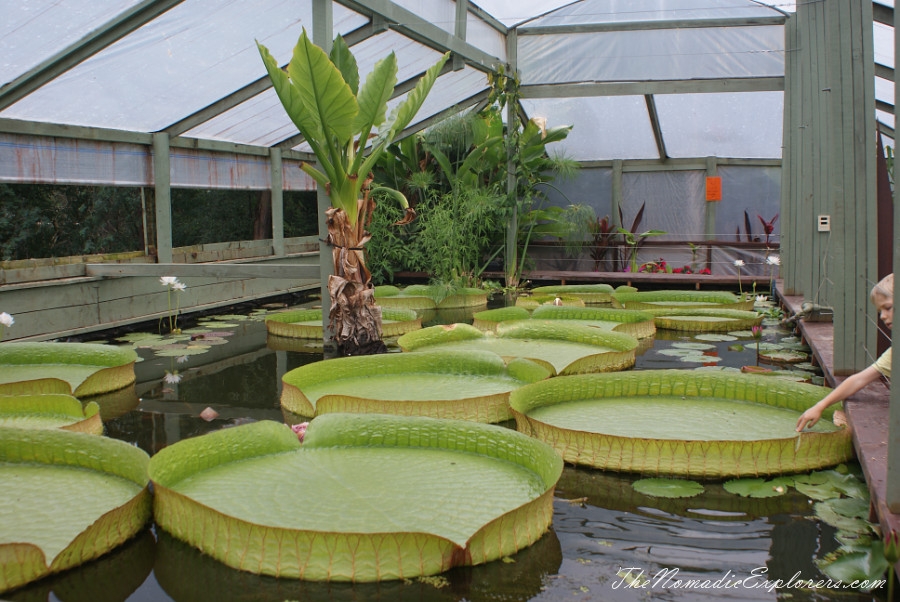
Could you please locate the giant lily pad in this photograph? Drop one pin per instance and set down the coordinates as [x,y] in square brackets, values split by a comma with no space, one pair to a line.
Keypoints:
[68,498]
[562,347]
[423,296]
[307,323]
[88,368]
[676,422]
[366,497]
[591,294]
[637,324]
[530,302]
[50,411]
[705,320]
[648,300]
[466,385]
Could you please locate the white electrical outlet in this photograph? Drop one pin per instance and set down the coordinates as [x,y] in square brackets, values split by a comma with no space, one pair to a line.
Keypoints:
[824,223]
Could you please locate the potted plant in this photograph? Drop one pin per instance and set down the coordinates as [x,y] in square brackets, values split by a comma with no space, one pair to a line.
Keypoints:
[337,115]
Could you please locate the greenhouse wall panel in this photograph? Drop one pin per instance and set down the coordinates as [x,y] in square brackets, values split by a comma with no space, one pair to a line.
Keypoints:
[48,160]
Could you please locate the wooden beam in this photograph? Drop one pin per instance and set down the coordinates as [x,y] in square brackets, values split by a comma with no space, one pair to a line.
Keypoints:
[291,271]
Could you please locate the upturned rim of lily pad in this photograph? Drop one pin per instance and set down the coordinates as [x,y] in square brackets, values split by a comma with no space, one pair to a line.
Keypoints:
[589,293]
[395,322]
[426,296]
[64,408]
[363,555]
[490,408]
[24,562]
[707,319]
[113,366]
[681,299]
[638,324]
[622,355]
[676,456]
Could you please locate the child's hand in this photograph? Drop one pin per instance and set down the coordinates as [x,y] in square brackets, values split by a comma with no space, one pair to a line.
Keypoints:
[809,418]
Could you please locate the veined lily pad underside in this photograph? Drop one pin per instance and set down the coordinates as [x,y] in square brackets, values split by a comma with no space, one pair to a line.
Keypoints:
[88,368]
[424,296]
[637,324]
[307,323]
[563,348]
[648,300]
[470,385]
[76,497]
[363,498]
[50,411]
[676,422]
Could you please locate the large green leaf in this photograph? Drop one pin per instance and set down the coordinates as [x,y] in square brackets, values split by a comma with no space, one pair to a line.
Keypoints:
[442,384]
[361,497]
[77,496]
[375,93]
[643,435]
[323,91]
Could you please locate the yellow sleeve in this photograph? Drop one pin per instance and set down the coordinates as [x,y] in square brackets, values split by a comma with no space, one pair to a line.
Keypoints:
[883,363]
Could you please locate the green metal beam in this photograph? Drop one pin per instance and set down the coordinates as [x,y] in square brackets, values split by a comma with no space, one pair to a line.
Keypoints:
[650,25]
[640,88]
[98,39]
[415,27]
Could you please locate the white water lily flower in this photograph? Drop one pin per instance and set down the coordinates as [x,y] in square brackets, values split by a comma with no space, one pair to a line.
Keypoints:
[179,286]
[773,260]
[168,280]
[172,378]
[761,298]
[6,319]
[738,263]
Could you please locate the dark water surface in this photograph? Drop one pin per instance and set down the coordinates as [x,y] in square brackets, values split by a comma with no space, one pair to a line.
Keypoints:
[734,548]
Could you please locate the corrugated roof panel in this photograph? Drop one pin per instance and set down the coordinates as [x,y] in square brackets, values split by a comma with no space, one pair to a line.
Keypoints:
[696,53]
[33,31]
[609,127]
[747,124]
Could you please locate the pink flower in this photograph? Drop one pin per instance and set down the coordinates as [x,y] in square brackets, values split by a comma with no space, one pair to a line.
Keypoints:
[300,430]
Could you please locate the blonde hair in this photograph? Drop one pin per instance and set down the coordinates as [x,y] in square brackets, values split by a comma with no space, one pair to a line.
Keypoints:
[884,288]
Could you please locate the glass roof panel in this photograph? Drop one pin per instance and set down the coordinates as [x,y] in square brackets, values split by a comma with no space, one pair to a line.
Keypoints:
[610,127]
[694,53]
[621,11]
[262,120]
[884,90]
[33,31]
[484,37]
[745,124]
[179,63]
[441,13]
[883,37]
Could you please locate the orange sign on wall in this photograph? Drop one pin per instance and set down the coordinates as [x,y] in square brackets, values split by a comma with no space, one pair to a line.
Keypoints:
[714,188]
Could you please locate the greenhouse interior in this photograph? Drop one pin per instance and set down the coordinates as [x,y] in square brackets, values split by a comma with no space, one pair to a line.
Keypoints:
[739,147]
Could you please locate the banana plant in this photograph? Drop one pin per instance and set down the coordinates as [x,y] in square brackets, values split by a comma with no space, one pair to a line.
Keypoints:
[340,118]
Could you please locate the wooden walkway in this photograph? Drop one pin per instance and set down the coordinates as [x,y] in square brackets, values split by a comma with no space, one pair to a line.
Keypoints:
[867,414]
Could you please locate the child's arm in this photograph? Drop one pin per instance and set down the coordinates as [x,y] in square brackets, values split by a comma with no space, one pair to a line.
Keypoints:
[847,388]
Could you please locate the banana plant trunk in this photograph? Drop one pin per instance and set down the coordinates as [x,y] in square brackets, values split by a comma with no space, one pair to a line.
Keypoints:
[354,317]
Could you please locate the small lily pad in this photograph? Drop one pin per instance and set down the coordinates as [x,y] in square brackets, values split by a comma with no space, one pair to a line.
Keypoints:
[758,488]
[716,338]
[697,346]
[668,488]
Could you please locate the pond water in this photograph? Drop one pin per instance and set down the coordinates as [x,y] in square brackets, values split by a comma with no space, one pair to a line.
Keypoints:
[602,528]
